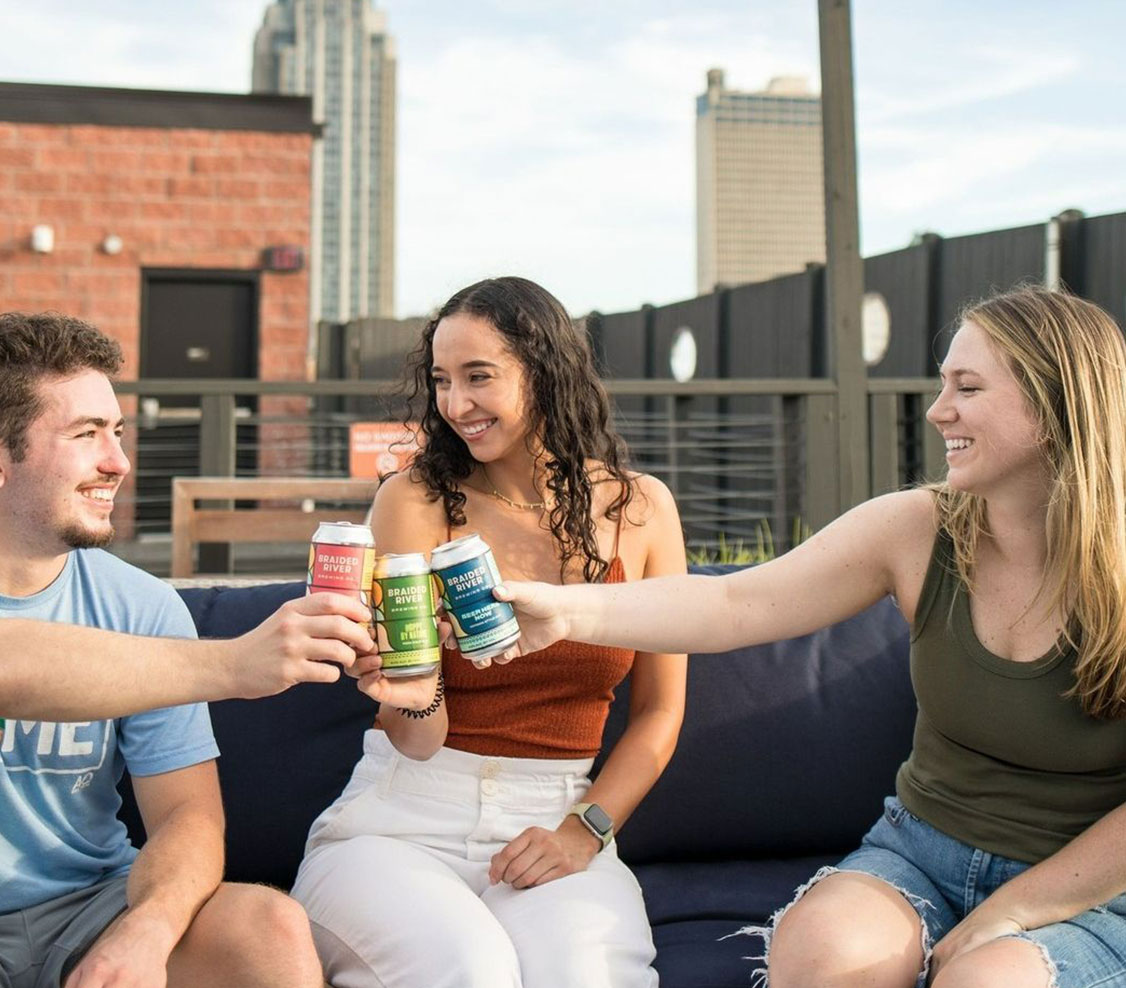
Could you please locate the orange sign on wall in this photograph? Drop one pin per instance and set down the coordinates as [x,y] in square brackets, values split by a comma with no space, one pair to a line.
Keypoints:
[377,448]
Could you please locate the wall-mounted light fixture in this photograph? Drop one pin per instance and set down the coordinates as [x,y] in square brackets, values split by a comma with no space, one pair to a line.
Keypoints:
[42,238]
[682,355]
[112,244]
[875,327]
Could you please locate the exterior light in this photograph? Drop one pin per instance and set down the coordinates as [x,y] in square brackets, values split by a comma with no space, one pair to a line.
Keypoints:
[42,238]
[682,355]
[875,322]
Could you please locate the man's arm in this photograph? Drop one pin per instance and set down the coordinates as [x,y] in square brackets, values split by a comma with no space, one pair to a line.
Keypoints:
[174,874]
[63,672]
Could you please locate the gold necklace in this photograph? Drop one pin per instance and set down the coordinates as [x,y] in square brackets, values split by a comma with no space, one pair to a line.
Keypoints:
[521,505]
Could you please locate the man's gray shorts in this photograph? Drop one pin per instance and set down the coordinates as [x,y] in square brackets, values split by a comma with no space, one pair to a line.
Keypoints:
[40,945]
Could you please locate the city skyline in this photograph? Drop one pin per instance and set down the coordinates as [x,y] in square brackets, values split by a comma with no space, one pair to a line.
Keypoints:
[556,140]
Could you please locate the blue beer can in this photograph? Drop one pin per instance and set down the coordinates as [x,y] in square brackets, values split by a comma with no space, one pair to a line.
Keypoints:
[466,572]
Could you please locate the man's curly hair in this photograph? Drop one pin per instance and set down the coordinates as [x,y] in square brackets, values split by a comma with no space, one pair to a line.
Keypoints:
[35,346]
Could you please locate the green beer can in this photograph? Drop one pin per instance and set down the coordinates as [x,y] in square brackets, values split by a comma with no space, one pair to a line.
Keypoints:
[403,604]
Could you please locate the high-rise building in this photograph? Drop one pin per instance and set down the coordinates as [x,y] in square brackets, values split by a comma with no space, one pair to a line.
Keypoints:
[760,206]
[339,52]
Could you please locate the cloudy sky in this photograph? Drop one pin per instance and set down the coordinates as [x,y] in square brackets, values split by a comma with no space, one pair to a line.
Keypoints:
[555,138]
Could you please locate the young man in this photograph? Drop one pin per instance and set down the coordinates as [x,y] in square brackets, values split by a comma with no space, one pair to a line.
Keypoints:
[78,905]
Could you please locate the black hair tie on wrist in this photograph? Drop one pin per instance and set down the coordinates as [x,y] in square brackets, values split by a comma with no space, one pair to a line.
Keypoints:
[439,696]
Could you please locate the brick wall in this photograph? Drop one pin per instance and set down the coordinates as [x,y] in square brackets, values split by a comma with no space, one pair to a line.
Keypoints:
[177,198]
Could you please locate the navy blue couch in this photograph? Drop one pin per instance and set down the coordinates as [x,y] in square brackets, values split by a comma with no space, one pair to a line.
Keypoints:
[785,756]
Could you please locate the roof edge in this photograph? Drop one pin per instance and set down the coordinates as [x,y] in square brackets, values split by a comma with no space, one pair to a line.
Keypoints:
[32,102]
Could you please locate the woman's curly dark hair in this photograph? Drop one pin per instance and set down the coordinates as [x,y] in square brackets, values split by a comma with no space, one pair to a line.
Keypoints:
[569,412]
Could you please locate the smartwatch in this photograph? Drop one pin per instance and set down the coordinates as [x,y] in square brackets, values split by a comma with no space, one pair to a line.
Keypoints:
[596,820]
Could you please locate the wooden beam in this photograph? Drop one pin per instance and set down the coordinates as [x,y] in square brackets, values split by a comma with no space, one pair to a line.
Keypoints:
[844,271]
[158,387]
[885,443]
[217,456]
[182,508]
[274,488]
[264,525]
[820,450]
[227,525]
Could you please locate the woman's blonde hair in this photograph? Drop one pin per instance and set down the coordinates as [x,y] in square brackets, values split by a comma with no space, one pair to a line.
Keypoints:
[1069,359]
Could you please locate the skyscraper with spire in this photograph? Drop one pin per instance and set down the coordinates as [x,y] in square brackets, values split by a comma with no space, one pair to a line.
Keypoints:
[339,52]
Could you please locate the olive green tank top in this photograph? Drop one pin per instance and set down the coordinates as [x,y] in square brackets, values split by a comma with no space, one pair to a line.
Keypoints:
[1001,760]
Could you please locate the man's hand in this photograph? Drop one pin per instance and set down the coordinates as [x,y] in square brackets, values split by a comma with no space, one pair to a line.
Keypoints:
[538,856]
[299,644]
[540,614]
[124,956]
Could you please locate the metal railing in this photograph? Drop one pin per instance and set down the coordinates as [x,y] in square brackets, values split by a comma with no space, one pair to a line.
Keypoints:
[741,456]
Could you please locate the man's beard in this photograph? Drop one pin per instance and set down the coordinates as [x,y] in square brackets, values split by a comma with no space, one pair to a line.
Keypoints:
[77,537]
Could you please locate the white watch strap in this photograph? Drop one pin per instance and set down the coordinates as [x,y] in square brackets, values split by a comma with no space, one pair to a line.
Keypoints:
[579,810]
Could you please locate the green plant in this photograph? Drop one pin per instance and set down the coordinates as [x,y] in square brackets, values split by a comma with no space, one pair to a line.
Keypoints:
[759,550]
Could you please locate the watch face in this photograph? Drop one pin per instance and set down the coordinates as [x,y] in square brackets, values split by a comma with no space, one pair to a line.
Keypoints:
[597,817]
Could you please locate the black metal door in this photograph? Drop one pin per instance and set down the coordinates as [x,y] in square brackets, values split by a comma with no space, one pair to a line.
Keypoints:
[194,324]
[199,324]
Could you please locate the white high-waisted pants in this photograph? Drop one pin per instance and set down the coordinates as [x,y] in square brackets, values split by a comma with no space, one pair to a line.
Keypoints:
[395,881]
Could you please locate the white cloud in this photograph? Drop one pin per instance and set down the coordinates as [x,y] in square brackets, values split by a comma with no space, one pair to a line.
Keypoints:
[977,75]
[201,45]
[557,138]
[533,154]
[938,179]
[949,168]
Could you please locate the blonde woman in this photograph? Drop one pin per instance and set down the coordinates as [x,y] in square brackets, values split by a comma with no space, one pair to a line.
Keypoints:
[1001,860]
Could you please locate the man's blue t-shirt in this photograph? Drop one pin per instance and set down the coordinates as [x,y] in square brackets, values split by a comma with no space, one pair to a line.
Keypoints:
[59,830]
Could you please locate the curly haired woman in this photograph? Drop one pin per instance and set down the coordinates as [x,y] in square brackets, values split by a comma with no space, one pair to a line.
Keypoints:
[470,847]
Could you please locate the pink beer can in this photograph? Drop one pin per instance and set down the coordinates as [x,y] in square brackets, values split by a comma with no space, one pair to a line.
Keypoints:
[341,560]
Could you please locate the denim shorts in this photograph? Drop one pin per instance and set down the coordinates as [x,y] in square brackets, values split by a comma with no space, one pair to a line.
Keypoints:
[944,879]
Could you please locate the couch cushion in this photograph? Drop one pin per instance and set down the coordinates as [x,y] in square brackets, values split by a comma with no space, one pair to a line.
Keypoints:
[740,891]
[701,953]
[283,758]
[787,748]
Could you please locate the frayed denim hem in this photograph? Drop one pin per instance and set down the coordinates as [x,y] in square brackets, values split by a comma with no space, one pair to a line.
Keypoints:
[1053,971]
[759,976]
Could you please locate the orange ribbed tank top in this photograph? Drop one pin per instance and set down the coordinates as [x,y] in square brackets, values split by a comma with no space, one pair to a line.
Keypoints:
[549,704]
